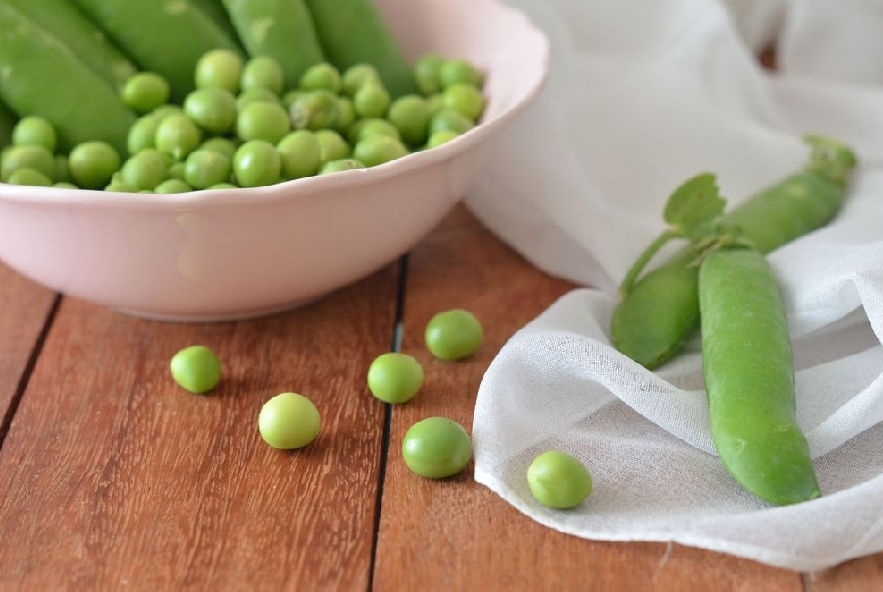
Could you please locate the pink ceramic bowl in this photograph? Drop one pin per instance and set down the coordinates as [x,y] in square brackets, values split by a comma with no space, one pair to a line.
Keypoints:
[228,254]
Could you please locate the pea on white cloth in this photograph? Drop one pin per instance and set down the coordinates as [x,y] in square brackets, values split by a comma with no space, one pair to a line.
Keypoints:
[640,97]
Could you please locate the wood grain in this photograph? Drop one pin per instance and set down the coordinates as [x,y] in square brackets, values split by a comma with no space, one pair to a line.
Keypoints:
[456,535]
[25,308]
[113,477]
[859,575]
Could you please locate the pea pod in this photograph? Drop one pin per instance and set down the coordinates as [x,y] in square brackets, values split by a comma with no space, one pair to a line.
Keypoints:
[280,29]
[34,66]
[164,36]
[354,32]
[660,312]
[69,25]
[7,123]
[749,377]
[215,10]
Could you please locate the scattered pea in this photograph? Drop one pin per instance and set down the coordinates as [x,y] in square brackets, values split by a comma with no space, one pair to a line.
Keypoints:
[255,95]
[346,114]
[456,71]
[441,137]
[365,128]
[224,146]
[321,77]
[196,369]
[357,75]
[448,119]
[177,170]
[558,480]
[31,177]
[177,136]
[371,100]
[301,154]
[436,448]
[143,133]
[314,110]
[205,168]
[395,377]
[332,146]
[145,170]
[288,421]
[464,98]
[427,73]
[172,186]
[28,156]
[410,115]
[453,334]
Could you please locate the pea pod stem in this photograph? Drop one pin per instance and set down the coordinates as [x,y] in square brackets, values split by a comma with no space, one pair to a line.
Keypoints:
[644,258]
[748,366]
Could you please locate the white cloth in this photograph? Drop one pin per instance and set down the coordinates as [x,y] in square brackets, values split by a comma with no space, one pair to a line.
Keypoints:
[641,96]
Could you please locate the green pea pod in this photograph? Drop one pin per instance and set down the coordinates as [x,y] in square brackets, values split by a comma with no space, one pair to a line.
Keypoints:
[163,36]
[215,10]
[69,25]
[280,29]
[661,310]
[749,378]
[41,76]
[7,123]
[354,32]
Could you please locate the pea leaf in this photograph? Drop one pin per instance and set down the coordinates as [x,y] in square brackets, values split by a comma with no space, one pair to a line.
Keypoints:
[694,208]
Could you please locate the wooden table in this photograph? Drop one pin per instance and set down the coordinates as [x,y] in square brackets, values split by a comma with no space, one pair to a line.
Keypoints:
[112,477]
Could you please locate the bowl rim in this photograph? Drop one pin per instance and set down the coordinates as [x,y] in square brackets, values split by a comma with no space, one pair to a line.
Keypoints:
[295,188]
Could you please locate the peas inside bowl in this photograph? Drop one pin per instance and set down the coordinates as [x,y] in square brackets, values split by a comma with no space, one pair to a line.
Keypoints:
[233,252]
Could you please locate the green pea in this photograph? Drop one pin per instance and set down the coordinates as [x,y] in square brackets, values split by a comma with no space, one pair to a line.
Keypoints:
[92,164]
[172,186]
[346,114]
[145,170]
[427,73]
[35,131]
[371,100]
[205,168]
[255,95]
[177,170]
[365,128]
[212,109]
[290,97]
[410,115]
[395,378]
[436,447]
[435,103]
[448,119]
[376,150]
[558,480]
[142,133]
[262,72]
[321,77]
[224,186]
[164,111]
[466,99]
[145,91]
[263,121]
[453,334]
[121,187]
[31,177]
[456,71]
[196,369]
[289,421]
[338,166]
[28,156]
[332,146]
[314,110]
[224,146]
[355,76]
[300,153]
[257,163]
[177,136]
[219,68]
[441,137]
[64,185]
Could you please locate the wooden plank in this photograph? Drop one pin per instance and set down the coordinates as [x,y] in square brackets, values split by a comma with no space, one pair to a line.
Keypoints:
[25,308]
[114,477]
[457,535]
[859,575]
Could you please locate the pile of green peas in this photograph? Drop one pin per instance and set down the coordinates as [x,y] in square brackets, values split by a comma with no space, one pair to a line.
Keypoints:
[246,126]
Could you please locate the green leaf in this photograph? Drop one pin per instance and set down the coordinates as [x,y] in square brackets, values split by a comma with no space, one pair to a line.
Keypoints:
[695,207]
